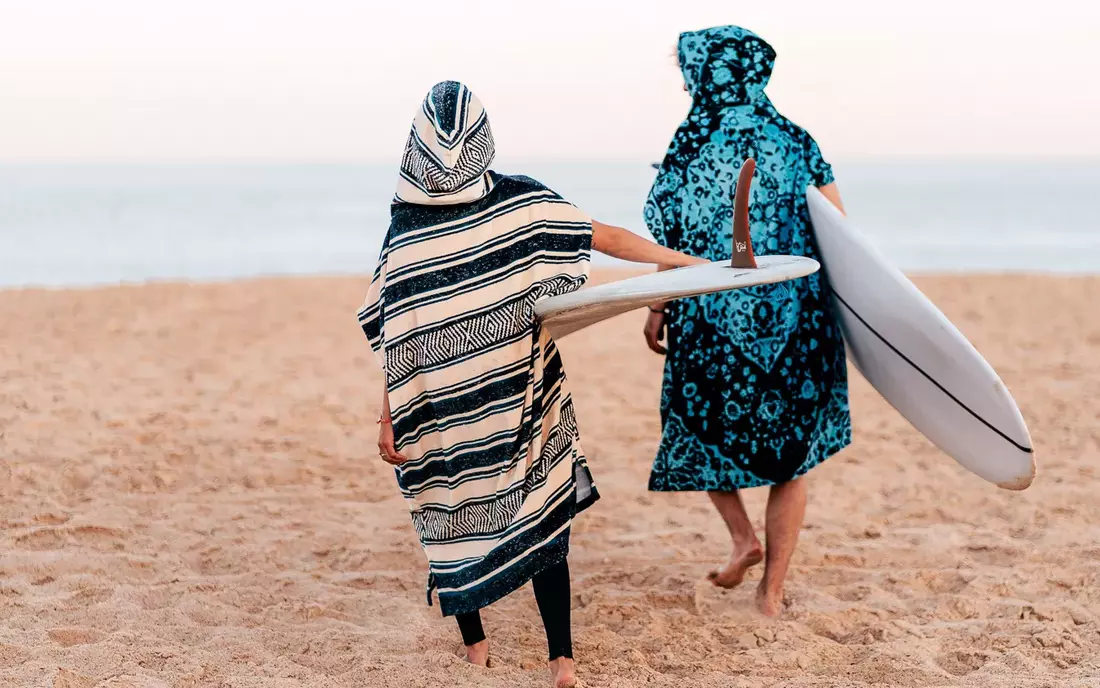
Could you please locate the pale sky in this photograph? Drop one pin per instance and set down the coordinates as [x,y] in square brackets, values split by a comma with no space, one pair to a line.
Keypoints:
[319,80]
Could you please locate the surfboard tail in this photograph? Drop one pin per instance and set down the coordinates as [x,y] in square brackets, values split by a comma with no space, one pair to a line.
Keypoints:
[742,240]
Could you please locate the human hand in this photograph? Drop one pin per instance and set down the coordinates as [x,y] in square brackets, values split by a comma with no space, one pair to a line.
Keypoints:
[385,444]
[655,331]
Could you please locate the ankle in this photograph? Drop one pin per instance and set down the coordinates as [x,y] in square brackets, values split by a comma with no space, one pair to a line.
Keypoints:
[478,653]
[564,676]
[743,541]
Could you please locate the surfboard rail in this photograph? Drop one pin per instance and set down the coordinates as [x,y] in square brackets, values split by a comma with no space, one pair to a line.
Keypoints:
[917,359]
[567,313]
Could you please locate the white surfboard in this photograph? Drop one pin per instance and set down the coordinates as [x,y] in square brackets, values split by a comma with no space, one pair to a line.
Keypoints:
[912,354]
[570,312]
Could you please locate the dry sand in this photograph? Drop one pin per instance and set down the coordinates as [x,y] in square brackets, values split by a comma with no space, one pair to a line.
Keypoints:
[191,497]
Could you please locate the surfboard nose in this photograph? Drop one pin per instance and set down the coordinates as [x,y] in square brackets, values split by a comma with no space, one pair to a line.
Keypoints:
[742,240]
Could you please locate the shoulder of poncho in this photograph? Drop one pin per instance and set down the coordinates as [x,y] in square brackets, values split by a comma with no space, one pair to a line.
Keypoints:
[409,217]
[516,184]
[791,130]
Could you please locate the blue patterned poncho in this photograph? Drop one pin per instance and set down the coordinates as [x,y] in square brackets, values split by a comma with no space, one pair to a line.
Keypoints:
[478,396]
[755,386]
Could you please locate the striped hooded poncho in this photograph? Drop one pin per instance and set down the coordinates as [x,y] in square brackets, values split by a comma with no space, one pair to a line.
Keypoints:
[478,395]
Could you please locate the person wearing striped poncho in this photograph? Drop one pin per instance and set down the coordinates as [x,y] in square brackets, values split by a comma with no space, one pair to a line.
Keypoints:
[477,416]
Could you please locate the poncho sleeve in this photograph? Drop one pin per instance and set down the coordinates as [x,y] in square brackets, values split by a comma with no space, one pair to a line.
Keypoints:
[821,172]
[569,235]
[372,316]
[566,246]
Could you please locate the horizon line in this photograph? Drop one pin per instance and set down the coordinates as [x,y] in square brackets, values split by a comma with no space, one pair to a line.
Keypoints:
[243,162]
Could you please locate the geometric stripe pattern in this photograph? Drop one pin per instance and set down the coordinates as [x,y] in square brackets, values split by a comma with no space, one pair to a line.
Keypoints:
[433,176]
[494,515]
[449,150]
[462,337]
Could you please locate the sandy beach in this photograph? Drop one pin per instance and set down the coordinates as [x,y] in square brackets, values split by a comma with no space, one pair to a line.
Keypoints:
[190,496]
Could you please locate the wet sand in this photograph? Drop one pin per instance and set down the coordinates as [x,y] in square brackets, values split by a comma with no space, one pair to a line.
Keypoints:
[191,497]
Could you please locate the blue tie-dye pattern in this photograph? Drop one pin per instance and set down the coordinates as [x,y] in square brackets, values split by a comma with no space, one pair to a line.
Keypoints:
[755,385]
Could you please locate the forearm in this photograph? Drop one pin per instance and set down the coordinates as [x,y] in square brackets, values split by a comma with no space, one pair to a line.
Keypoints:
[624,245]
[385,401]
[831,192]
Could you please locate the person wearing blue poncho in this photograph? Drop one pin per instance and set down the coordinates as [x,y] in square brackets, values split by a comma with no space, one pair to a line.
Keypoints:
[755,387]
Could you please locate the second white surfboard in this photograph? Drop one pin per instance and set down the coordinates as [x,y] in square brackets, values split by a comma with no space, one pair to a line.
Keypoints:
[570,312]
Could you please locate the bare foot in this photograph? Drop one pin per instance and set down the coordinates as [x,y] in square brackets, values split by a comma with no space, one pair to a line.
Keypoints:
[769,602]
[740,562]
[562,669]
[478,653]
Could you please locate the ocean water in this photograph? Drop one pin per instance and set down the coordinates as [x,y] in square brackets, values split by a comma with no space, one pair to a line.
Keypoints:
[95,224]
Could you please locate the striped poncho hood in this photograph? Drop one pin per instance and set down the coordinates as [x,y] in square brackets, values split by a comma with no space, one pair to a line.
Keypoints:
[449,150]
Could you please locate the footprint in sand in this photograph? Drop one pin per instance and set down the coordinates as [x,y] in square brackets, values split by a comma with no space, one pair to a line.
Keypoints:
[52,519]
[44,538]
[67,637]
[88,597]
[99,537]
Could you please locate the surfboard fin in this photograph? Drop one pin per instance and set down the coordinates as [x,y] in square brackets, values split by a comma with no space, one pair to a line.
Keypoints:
[742,240]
